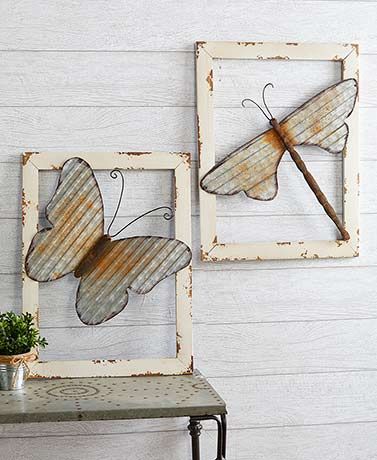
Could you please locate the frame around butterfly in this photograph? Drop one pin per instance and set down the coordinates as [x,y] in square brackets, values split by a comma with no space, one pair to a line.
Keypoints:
[182,363]
[211,248]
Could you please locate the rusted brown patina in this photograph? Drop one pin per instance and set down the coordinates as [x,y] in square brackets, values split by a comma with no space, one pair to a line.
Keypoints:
[26,157]
[210,80]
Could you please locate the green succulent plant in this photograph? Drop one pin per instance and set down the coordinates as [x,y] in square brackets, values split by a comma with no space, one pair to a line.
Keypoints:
[18,334]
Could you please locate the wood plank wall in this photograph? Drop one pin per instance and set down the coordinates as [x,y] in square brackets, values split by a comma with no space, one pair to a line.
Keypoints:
[291,345]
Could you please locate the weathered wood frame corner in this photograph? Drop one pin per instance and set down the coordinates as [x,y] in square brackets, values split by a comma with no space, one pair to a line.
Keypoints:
[182,363]
[211,248]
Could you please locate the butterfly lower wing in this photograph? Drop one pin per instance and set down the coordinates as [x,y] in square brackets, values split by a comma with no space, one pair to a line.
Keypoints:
[251,168]
[321,120]
[137,263]
[76,215]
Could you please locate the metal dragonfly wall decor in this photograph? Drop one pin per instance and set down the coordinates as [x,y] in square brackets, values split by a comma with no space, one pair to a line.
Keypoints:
[252,168]
[329,120]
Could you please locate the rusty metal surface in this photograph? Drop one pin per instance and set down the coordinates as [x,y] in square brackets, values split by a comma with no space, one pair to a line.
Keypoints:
[106,268]
[137,263]
[76,215]
[320,121]
[252,168]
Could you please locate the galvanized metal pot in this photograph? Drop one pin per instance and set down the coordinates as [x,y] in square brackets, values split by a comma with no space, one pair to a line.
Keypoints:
[13,376]
[14,370]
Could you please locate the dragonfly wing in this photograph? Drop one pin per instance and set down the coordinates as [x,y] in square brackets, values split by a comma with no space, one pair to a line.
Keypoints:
[321,120]
[252,169]
[137,263]
[76,215]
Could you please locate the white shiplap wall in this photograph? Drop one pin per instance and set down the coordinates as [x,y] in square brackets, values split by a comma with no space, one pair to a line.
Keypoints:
[291,345]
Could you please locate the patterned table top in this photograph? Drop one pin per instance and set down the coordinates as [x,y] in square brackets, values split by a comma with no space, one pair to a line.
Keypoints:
[110,398]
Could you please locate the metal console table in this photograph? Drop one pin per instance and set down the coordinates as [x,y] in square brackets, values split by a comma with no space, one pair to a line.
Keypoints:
[120,398]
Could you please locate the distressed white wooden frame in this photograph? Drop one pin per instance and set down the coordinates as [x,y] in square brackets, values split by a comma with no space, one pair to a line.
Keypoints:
[182,363]
[211,248]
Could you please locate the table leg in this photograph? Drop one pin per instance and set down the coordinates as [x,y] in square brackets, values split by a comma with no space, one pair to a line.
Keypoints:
[195,429]
[224,429]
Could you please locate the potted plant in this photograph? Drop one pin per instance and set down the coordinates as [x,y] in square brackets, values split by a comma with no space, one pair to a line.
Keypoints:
[19,342]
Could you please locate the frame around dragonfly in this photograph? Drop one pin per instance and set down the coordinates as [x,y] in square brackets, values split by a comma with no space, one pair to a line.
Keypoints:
[179,163]
[211,248]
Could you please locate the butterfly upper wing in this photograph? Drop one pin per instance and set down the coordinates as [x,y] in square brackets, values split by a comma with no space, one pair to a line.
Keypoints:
[137,263]
[321,120]
[251,168]
[76,215]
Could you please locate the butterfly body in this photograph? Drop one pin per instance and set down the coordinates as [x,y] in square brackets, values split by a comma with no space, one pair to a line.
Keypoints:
[107,268]
[92,256]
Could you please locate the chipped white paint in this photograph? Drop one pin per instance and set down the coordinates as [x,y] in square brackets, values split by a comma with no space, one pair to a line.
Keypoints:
[180,164]
[211,248]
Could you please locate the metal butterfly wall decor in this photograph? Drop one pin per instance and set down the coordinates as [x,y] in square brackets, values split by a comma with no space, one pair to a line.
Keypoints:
[252,168]
[107,268]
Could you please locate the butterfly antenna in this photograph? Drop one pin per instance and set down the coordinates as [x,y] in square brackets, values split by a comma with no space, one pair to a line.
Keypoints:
[115,173]
[167,216]
[255,103]
[264,99]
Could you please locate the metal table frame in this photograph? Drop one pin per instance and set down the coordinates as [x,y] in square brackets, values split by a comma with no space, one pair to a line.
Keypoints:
[120,398]
[195,429]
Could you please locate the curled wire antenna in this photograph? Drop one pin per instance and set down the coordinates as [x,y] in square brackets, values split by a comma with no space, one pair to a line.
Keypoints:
[266,113]
[168,215]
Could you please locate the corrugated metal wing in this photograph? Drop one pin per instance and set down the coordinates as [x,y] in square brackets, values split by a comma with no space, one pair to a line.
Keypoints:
[76,213]
[321,120]
[137,263]
[251,168]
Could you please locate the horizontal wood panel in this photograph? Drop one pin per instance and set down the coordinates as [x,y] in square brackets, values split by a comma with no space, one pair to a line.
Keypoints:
[242,296]
[289,348]
[122,26]
[145,79]
[92,343]
[72,129]
[111,129]
[307,399]
[243,229]
[153,445]
[350,441]
[97,79]
[84,428]
[294,81]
